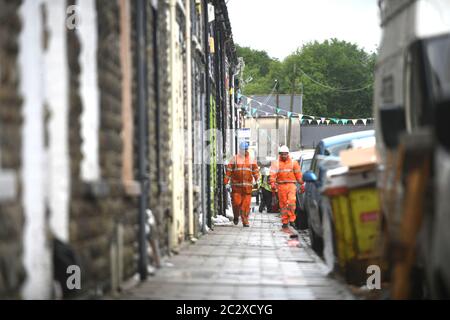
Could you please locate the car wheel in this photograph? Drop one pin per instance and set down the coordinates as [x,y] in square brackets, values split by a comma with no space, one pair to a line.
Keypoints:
[316,241]
[301,222]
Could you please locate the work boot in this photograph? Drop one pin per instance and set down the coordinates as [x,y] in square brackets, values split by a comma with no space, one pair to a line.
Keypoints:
[285,226]
[246,225]
[236,221]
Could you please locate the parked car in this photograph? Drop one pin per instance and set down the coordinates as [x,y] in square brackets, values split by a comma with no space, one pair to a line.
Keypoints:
[296,155]
[326,156]
[301,223]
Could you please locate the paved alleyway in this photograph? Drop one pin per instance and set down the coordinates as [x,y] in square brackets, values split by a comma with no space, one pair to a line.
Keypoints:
[231,262]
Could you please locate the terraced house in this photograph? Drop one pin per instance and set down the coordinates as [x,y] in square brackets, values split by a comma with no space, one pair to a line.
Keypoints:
[106,110]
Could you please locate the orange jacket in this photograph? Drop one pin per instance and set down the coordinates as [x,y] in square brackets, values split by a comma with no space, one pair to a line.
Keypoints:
[241,170]
[285,172]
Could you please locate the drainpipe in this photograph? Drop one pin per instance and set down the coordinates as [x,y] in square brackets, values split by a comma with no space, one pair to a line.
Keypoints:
[174,109]
[162,185]
[189,120]
[225,114]
[227,100]
[207,110]
[219,107]
[142,129]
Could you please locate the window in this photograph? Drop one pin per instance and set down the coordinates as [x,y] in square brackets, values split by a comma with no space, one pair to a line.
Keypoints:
[427,79]
[438,67]
[336,149]
[387,90]
[314,159]
[306,164]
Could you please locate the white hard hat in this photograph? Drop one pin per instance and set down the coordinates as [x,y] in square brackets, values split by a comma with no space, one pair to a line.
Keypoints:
[283,149]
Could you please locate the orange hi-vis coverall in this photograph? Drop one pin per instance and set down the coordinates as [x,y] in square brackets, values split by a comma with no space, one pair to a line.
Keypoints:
[241,170]
[283,176]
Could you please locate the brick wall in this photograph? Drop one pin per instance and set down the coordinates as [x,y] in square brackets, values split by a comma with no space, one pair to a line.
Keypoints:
[12,272]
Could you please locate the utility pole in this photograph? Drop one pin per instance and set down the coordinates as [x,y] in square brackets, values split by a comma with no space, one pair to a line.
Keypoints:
[277,86]
[291,107]
[301,112]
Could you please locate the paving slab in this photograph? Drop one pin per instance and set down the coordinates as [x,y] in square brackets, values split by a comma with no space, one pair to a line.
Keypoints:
[263,262]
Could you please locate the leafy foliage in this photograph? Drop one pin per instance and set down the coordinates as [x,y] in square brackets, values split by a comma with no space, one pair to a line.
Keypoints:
[261,68]
[327,73]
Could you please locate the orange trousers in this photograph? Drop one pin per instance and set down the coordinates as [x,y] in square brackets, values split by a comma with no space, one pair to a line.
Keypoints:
[241,205]
[286,197]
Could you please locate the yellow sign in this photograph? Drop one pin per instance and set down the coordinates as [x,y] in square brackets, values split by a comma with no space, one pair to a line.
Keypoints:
[211,45]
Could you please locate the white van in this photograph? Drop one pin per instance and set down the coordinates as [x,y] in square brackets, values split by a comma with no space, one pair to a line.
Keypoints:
[412,97]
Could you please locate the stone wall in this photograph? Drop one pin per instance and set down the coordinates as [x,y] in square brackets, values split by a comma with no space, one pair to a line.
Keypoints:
[98,208]
[160,201]
[103,209]
[12,272]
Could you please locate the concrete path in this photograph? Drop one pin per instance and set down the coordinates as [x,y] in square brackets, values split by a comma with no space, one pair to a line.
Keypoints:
[232,262]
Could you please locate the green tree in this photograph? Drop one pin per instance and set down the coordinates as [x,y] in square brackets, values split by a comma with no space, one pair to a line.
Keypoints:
[261,68]
[336,77]
[332,74]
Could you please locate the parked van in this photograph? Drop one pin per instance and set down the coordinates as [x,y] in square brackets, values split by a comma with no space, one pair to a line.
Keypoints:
[412,108]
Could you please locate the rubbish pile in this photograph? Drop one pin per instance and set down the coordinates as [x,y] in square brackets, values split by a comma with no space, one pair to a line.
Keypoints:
[352,216]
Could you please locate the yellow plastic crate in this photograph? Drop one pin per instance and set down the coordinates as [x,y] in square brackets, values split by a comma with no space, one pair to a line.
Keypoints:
[343,232]
[356,215]
[365,208]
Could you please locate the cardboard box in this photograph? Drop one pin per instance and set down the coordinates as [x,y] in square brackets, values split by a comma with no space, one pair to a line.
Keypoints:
[359,159]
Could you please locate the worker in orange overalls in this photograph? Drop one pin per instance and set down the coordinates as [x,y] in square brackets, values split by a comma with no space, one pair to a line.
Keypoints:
[243,173]
[284,174]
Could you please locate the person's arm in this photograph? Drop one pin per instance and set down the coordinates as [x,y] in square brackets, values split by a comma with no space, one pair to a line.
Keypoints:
[273,175]
[299,177]
[298,172]
[259,181]
[228,172]
[255,173]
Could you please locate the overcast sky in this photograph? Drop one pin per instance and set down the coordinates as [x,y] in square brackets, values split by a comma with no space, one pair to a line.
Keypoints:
[281,26]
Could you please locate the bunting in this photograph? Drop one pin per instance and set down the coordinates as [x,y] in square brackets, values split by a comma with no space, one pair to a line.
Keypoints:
[289,114]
